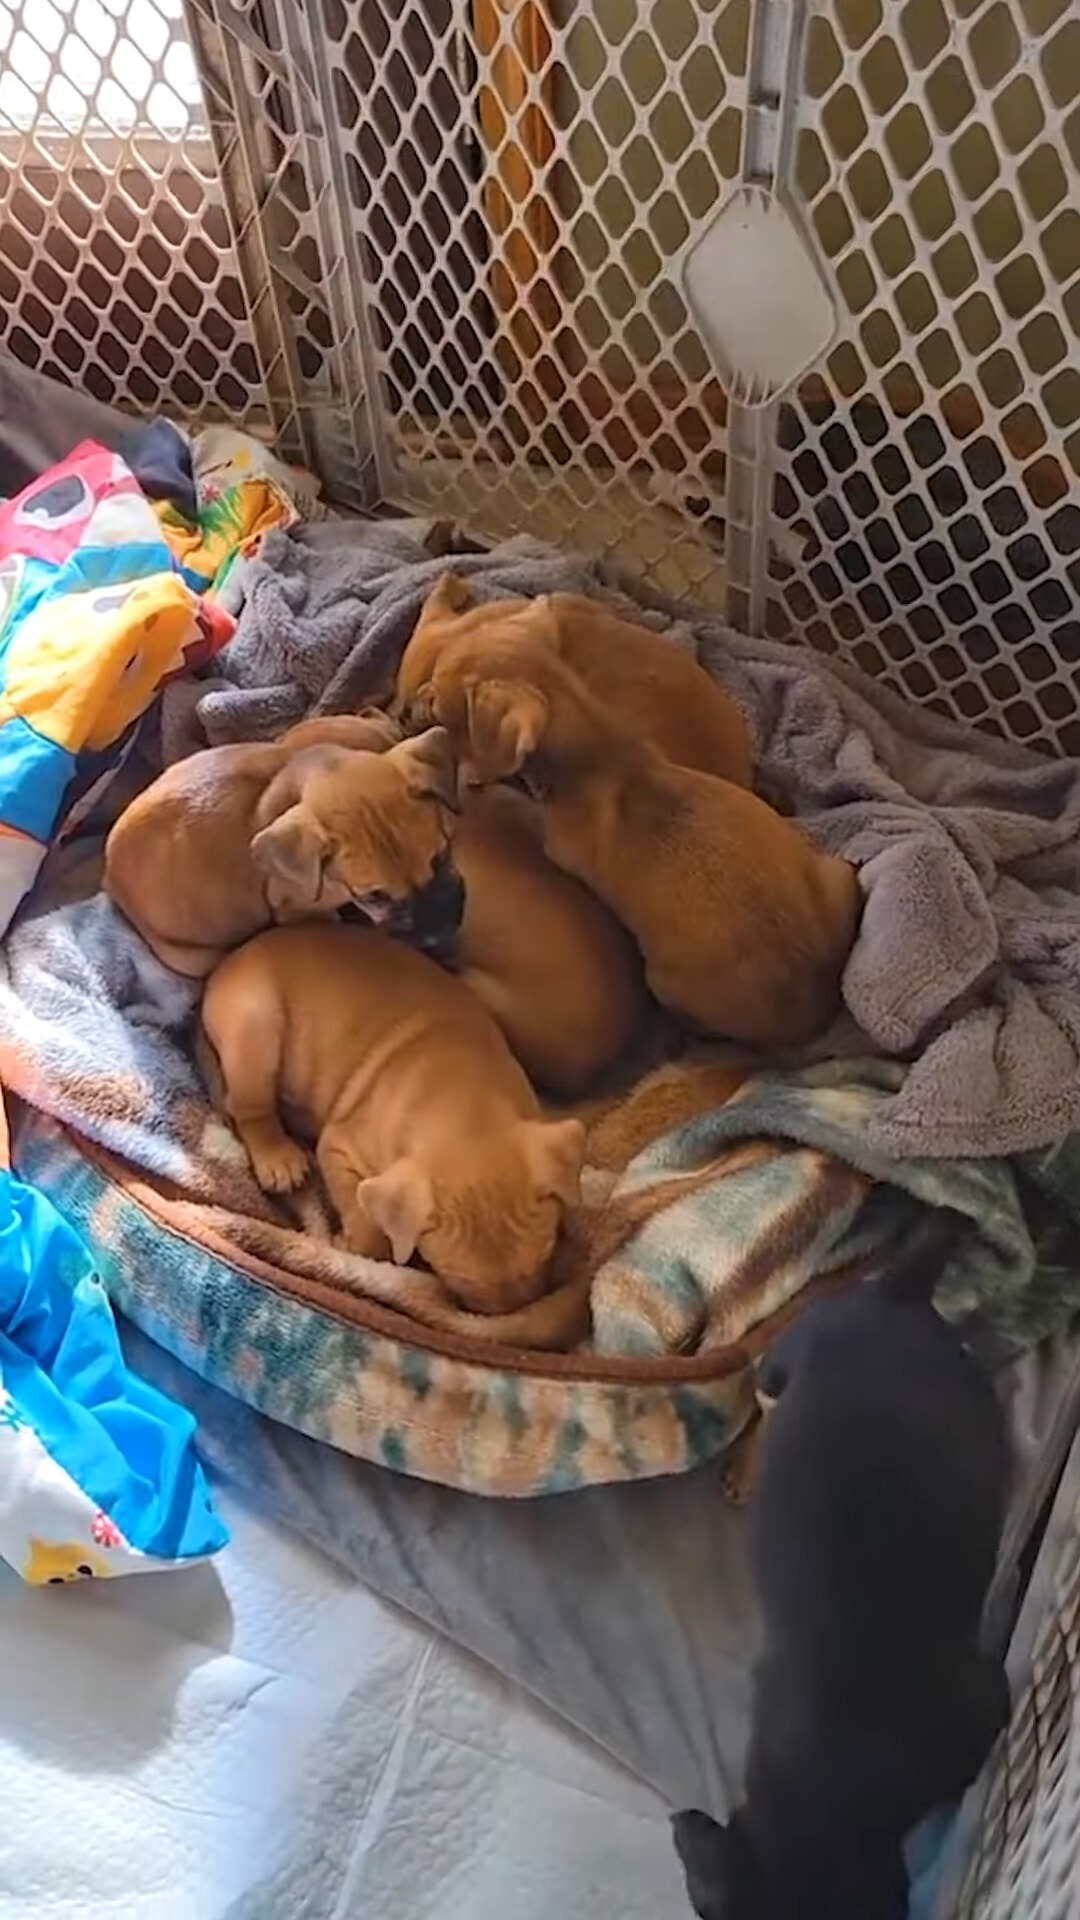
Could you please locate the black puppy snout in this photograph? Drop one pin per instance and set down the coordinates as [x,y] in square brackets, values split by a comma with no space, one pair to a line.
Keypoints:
[439,908]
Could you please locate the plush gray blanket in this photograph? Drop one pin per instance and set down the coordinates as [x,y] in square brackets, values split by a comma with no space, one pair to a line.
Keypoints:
[968,961]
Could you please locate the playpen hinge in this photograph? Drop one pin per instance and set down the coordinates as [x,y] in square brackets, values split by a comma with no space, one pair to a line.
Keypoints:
[776,37]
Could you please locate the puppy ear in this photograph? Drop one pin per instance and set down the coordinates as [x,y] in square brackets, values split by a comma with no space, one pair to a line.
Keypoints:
[506,722]
[717,1865]
[430,767]
[555,1151]
[450,594]
[292,850]
[400,1203]
[421,708]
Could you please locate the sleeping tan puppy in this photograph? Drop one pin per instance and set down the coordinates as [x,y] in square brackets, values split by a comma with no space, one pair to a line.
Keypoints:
[744,925]
[429,1136]
[229,841]
[550,963]
[651,687]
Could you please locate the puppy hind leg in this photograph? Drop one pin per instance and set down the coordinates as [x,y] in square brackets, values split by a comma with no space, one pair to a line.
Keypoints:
[248,1049]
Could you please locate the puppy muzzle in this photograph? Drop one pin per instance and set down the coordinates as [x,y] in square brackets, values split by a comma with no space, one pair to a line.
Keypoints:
[438,910]
[429,919]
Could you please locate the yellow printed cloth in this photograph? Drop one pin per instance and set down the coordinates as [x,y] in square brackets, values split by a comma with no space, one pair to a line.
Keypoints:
[94,618]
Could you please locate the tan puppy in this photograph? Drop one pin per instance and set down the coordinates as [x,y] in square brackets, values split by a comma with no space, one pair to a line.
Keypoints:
[744,925]
[650,687]
[429,1136]
[550,963]
[229,841]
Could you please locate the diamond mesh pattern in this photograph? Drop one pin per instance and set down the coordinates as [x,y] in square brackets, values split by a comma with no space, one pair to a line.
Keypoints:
[932,465]
[521,179]
[175,246]
[293,241]
[432,246]
[1025,1862]
[117,267]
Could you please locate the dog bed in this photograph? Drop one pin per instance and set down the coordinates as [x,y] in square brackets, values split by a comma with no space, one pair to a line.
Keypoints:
[705,1234]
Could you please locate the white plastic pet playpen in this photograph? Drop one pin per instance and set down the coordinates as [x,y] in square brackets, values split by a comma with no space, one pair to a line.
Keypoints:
[775,302]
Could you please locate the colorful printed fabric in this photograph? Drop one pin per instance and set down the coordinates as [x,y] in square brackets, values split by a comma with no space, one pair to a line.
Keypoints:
[372,1358]
[98,1474]
[236,1300]
[783,1170]
[244,491]
[332,1364]
[93,620]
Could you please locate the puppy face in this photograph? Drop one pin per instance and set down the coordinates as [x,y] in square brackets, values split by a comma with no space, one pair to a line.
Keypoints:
[487,1225]
[497,724]
[438,911]
[366,833]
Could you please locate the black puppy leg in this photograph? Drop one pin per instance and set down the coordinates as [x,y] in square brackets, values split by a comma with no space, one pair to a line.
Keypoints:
[717,1864]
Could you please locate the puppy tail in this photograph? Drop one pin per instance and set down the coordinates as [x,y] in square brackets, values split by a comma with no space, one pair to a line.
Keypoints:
[918,1267]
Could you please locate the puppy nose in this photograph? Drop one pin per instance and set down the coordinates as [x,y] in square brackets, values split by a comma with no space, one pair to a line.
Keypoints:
[438,910]
[445,895]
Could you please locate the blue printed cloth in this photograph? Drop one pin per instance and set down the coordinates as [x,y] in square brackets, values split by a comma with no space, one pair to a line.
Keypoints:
[98,1471]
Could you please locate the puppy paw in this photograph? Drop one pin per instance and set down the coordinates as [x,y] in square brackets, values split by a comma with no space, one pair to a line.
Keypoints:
[282,1167]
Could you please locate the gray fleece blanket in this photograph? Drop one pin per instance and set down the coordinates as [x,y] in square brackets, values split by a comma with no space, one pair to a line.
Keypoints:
[967,965]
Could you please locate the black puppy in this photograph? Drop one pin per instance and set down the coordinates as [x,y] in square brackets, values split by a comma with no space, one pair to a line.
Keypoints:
[874,1529]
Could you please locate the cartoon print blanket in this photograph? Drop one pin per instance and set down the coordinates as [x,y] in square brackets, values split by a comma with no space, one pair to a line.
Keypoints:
[105,595]
[98,1473]
[94,618]
[108,588]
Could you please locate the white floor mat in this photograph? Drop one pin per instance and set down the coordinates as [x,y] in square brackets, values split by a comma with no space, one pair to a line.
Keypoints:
[267,1741]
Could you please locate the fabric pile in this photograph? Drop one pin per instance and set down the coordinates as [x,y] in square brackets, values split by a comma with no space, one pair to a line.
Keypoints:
[967,966]
[113,577]
[215,604]
[714,1201]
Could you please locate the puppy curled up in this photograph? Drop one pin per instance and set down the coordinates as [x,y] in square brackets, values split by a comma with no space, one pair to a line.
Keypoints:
[334,815]
[341,817]
[744,925]
[428,1135]
[647,684]
[549,961]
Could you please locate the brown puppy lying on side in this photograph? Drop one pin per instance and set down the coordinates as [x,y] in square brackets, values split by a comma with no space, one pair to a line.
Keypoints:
[429,1136]
[229,841]
[649,686]
[550,963]
[233,839]
[744,925]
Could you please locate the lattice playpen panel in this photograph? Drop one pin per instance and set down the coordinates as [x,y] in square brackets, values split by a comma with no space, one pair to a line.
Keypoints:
[116,255]
[521,175]
[1026,1855]
[432,245]
[162,215]
[933,464]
